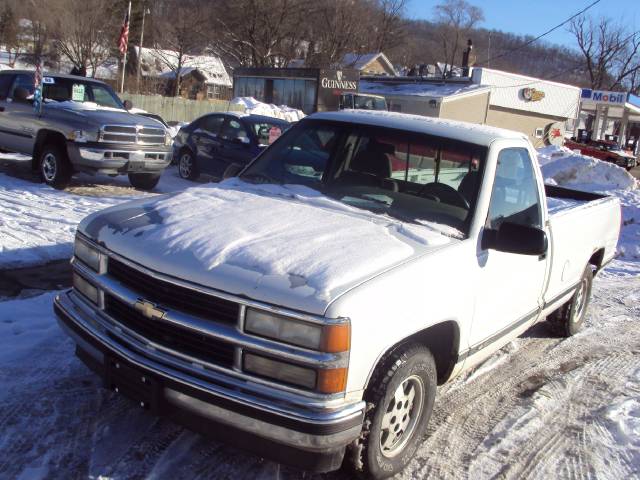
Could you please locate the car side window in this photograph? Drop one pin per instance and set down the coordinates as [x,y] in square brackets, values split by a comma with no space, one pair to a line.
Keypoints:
[515,197]
[212,124]
[24,81]
[5,84]
[232,130]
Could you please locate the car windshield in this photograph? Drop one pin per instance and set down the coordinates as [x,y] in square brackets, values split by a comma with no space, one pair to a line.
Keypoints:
[71,89]
[408,176]
[266,131]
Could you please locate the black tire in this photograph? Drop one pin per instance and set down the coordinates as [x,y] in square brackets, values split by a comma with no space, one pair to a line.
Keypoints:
[144,181]
[569,318]
[187,166]
[379,452]
[54,166]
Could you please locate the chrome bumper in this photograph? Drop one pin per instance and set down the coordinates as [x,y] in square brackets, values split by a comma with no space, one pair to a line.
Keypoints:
[227,402]
[111,159]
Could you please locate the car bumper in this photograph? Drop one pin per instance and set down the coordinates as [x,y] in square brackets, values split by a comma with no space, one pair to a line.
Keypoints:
[312,440]
[115,159]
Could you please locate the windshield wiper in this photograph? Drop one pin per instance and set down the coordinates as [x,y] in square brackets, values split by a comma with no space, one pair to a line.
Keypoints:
[260,177]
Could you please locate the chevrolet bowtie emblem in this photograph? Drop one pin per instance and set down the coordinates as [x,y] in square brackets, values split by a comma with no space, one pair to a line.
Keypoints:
[149,309]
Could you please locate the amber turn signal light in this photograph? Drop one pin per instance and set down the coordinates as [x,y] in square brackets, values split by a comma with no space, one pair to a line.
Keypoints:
[336,338]
[332,380]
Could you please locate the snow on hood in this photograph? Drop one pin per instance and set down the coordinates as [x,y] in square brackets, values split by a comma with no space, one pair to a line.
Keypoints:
[71,105]
[287,245]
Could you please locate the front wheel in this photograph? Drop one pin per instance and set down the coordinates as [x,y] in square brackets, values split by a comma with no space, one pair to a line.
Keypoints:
[144,181]
[568,319]
[399,401]
[55,168]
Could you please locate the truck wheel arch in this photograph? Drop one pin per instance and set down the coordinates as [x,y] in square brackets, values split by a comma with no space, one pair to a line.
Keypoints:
[43,138]
[442,339]
[596,259]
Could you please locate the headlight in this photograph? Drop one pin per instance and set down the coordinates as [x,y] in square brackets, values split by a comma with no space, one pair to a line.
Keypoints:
[80,136]
[167,139]
[85,288]
[325,338]
[87,254]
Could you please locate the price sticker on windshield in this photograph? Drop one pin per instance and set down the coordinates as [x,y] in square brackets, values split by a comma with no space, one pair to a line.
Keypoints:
[77,92]
[274,133]
[48,80]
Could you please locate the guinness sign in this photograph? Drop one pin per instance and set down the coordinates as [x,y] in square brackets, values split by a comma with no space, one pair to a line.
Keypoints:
[332,84]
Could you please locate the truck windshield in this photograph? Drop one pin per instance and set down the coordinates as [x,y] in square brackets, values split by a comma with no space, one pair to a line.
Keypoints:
[408,176]
[67,89]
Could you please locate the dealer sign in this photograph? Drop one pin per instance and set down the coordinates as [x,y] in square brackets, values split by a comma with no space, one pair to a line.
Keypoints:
[603,97]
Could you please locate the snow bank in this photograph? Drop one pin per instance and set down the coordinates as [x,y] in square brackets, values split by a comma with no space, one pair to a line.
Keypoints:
[255,107]
[569,168]
[565,167]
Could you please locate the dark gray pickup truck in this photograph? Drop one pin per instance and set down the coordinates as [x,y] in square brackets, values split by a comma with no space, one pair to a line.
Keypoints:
[81,126]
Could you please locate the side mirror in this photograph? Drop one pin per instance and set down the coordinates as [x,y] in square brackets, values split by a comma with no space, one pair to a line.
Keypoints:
[515,238]
[128,104]
[232,170]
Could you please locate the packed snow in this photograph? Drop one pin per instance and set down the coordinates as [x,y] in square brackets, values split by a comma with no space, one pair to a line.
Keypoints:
[255,107]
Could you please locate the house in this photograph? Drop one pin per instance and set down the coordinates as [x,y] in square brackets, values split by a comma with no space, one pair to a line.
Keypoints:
[201,76]
[369,63]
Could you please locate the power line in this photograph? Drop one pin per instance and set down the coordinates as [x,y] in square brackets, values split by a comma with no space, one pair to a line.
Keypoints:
[526,44]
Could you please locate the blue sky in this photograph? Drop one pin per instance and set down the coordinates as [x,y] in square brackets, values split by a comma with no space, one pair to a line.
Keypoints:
[536,17]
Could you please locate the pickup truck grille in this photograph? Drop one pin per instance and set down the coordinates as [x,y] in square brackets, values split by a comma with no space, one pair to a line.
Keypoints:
[183,340]
[132,134]
[173,296]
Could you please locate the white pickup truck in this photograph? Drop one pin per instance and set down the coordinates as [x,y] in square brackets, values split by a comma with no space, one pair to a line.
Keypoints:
[307,309]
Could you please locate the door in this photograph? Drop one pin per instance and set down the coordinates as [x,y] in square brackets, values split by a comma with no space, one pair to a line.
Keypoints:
[509,286]
[20,117]
[6,80]
[207,142]
[235,144]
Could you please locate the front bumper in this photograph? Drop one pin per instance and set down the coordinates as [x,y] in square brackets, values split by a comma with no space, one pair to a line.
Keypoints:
[116,159]
[310,439]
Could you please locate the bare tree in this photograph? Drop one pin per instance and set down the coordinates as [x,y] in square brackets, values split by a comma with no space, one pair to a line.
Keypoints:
[9,32]
[389,24]
[35,31]
[455,19]
[85,43]
[258,33]
[611,52]
[180,31]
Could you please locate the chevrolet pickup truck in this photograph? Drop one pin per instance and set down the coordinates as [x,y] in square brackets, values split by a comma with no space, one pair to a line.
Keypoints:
[308,308]
[81,126]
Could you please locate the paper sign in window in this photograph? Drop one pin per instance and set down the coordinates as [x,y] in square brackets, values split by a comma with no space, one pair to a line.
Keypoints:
[77,93]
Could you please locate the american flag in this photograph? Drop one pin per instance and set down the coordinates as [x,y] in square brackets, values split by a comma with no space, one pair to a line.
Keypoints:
[37,93]
[124,35]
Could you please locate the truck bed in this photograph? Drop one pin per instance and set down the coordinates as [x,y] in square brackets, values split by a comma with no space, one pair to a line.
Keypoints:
[561,199]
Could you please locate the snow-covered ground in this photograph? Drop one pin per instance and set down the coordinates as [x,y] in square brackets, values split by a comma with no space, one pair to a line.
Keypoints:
[540,408]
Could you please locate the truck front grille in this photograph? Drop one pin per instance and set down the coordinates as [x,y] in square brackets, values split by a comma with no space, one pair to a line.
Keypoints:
[173,296]
[132,134]
[182,340]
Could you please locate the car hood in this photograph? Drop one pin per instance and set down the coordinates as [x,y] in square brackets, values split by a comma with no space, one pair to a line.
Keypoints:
[284,245]
[102,115]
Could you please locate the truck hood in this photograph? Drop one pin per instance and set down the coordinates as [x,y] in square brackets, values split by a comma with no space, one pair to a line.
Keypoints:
[101,115]
[284,245]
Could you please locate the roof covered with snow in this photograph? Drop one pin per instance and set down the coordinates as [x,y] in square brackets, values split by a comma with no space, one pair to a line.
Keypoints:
[163,63]
[421,88]
[463,131]
[360,61]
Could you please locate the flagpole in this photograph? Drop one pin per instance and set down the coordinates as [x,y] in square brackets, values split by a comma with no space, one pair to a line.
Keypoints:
[124,57]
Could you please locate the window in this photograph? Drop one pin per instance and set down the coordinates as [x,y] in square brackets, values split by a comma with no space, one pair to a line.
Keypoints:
[23,81]
[212,124]
[303,159]
[515,191]
[5,84]
[262,130]
[233,130]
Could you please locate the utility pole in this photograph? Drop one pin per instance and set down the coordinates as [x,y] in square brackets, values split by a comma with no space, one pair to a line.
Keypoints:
[489,51]
[145,10]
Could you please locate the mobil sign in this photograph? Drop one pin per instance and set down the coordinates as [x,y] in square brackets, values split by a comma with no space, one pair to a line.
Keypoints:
[603,96]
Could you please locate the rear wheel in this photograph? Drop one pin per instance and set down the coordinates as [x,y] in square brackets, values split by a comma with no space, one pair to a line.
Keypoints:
[144,181]
[55,169]
[569,319]
[399,402]
[187,167]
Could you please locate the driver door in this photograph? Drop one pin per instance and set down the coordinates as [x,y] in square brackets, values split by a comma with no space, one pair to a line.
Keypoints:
[509,286]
